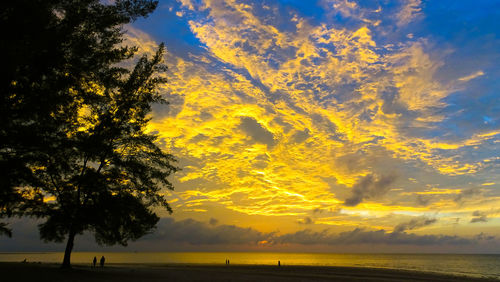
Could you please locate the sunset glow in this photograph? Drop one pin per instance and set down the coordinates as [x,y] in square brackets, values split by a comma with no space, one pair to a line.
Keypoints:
[336,115]
[328,125]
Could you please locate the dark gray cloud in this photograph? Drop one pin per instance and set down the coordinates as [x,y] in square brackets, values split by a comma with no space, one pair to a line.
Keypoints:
[423,200]
[261,161]
[198,138]
[25,237]
[327,126]
[256,131]
[198,233]
[479,216]
[305,220]
[414,224]
[190,234]
[174,107]
[353,162]
[360,236]
[467,194]
[369,187]
[318,210]
[323,122]
[169,234]
[300,136]
[213,221]
[284,125]
[484,237]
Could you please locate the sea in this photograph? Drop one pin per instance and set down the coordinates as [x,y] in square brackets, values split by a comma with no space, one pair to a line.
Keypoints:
[473,265]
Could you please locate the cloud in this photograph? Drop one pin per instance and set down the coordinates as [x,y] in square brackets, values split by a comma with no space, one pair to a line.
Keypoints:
[345,7]
[318,210]
[198,233]
[414,224]
[266,104]
[300,136]
[410,10]
[213,221]
[467,194]
[168,232]
[369,187]
[414,73]
[422,200]
[25,237]
[256,131]
[189,233]
[306,220]
[138,38]
[471,76]
[479,216]
[361,236]
[484,237]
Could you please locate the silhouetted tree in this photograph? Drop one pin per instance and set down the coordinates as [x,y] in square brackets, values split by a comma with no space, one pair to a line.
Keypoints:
[74,144]
[48,47]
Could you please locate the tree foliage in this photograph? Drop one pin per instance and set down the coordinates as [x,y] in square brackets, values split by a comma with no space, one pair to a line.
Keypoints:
[74,139]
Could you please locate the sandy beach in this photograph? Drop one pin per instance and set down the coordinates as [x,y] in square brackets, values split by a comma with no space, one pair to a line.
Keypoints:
[182,272]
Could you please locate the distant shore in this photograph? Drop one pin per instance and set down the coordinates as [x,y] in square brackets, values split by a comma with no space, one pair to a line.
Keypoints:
[14,271]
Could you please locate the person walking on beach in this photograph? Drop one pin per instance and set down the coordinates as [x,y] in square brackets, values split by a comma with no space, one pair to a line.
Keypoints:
[102,261]
[94,262]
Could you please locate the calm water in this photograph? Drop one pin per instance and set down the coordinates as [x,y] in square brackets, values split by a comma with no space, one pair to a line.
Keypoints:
[472,265]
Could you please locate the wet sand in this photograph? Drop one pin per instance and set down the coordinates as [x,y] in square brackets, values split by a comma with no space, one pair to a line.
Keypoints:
[194,272]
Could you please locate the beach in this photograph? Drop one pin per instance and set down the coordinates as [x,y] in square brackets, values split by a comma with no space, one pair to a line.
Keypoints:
[16,271]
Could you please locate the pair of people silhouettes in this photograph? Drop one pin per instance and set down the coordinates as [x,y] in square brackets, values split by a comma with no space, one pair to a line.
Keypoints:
[101,261]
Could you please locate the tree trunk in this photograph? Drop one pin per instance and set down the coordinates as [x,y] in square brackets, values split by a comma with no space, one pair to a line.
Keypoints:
[67,253]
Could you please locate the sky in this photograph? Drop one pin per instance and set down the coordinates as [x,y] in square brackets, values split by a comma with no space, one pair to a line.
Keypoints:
[324,125]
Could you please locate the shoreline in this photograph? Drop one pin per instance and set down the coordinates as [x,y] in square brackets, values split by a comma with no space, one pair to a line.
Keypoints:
[124,272]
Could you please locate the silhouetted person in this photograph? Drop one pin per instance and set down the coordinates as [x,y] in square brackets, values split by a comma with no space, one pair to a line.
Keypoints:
[94,262]
[279,263]
[102,261]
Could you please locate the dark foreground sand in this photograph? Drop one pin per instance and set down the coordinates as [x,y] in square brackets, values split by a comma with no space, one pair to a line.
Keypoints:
[132,272]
